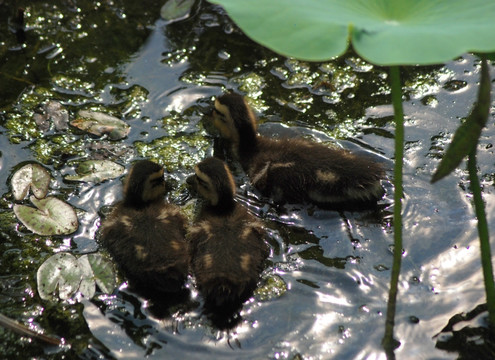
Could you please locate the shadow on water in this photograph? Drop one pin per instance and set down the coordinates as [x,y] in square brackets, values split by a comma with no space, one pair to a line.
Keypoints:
[324,289]
[469,335]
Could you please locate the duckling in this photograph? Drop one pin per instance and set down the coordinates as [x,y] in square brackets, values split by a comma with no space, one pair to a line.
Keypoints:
[296,170]
[227,244]
[146,235]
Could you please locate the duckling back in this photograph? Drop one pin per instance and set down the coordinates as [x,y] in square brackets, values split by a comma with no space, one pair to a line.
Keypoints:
[149,246]
[297,170]
[227,254]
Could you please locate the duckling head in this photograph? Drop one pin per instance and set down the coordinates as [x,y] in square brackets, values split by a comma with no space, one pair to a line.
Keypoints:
[144,184]
[236,122]
[214,182]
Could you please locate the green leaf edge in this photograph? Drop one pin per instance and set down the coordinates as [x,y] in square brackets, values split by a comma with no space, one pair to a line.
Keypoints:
[370,26]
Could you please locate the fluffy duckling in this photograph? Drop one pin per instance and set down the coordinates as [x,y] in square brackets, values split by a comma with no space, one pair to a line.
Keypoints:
[296,170]
[145,235]
[227,244]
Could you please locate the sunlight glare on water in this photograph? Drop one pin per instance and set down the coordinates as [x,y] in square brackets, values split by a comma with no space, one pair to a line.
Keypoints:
[324,289]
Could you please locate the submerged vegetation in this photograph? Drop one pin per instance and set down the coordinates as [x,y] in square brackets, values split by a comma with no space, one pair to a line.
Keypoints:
[153,79]
[390,33]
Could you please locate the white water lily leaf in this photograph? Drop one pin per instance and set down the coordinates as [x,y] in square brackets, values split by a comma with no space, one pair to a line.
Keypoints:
[174,10]
[87,287]
[30,176]
[96,171]
[98,123]
[60,272]
[50,217]
[103,271]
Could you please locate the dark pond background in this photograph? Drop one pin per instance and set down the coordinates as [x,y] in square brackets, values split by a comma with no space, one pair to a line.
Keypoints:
[331,270]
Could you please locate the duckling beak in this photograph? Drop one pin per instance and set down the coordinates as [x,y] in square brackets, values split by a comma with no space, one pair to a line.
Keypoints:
[191,183]
[213,114]
[208,120]
[208,111]
[190,180]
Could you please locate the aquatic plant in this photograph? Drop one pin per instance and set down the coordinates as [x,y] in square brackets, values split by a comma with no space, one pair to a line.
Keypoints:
[62,275]
[464,143]
[383,32]
[51,216]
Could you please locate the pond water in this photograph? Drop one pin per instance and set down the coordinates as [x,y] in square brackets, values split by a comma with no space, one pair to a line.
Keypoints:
[331,269]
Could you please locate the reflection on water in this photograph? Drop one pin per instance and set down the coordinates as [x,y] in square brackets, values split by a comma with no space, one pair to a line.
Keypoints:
[325,285]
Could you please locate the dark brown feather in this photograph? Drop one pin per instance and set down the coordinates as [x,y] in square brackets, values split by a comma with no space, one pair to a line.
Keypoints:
[152,253]
[228,240]
[147,238]
[298,170]
[227,249]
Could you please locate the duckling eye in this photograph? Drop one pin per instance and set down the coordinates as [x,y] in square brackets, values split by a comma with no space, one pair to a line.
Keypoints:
[201,182]
[220,115]
[157,182]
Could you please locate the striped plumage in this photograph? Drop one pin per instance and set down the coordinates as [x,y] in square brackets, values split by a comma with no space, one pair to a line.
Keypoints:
[227,244]
[296,170]
[146,235]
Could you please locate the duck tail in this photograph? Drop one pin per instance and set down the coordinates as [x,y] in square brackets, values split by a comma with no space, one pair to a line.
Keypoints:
[223,303]
[221,293]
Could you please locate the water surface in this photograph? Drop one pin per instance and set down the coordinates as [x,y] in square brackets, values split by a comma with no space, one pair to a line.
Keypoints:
[161,78]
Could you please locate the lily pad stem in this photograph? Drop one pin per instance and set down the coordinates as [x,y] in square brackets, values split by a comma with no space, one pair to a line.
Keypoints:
[388,342]
[486,256]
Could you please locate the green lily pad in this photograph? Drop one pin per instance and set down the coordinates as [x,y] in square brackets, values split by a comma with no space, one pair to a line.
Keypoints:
[104,273]
[96,171]
[175,10]
[68,274]
[50,217]
[98,123]
[60,272]
[30,176]
[87,286]
[392,32]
